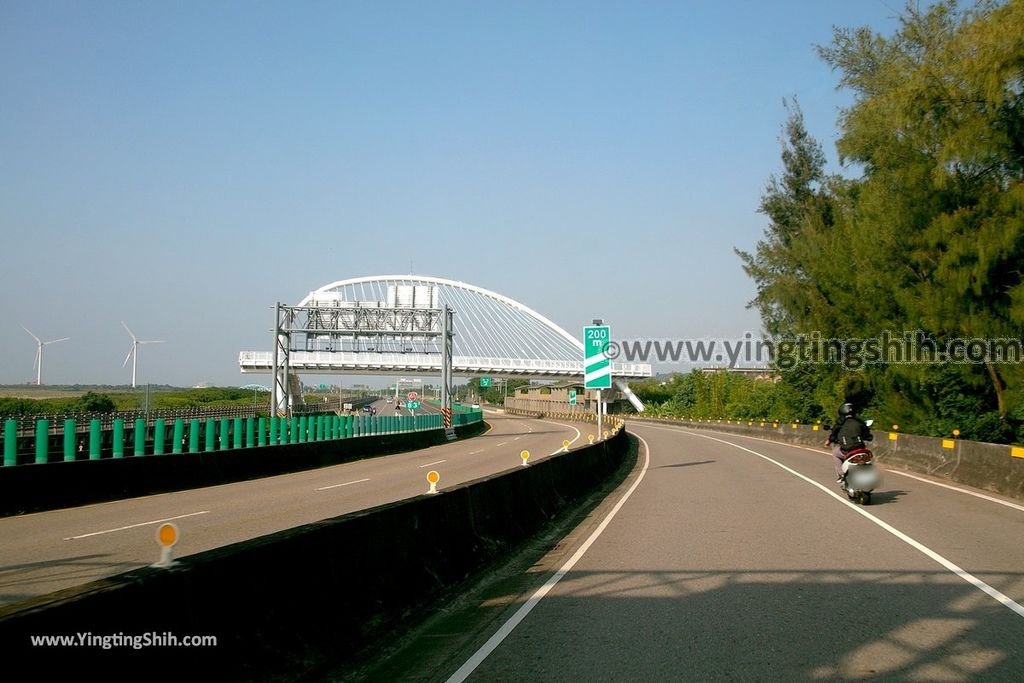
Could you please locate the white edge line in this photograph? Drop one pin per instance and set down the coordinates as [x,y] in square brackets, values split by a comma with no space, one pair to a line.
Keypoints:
[135,526]
[432,463]
[347,483]
[888,470]
[962,573]
[956,488]
[494,641]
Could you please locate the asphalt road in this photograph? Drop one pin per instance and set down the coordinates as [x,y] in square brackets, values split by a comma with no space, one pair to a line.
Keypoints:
[49,551]
[725,557]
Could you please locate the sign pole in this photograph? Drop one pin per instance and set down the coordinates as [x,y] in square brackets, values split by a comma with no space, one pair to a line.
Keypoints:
[597,366]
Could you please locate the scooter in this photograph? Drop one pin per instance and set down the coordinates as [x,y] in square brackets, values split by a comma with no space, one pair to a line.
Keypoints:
[859,474]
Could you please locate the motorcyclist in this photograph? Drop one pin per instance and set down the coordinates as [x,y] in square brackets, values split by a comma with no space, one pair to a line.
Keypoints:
[849,433]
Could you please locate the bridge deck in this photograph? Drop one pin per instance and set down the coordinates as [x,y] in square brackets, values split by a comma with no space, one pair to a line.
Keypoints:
[364,362]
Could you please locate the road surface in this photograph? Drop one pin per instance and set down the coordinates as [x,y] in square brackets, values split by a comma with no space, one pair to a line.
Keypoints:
[725,557]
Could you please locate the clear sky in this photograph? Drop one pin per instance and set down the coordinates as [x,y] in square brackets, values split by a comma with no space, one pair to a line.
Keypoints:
[182,166]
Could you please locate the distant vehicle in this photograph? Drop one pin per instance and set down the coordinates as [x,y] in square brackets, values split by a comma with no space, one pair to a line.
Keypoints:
[389,400]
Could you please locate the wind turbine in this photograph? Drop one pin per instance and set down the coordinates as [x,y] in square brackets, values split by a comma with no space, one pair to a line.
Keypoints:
[38,363]
[133,352]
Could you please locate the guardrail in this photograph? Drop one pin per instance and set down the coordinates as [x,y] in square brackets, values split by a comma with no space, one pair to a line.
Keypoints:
[27,423]
[72,441]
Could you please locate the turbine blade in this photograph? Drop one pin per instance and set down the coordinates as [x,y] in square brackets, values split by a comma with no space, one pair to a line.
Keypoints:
[153,341]
[30,333]
[126,358]
[129,331]
[54,341]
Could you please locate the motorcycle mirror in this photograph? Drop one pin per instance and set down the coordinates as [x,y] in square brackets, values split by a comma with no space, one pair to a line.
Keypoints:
[869,422]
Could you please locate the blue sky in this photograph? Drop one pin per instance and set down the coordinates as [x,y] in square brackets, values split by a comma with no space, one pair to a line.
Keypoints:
[182,166]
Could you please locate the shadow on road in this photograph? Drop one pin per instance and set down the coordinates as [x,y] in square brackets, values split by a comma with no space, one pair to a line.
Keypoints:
[883,497]
[50,572]
[709,625]
[686,464]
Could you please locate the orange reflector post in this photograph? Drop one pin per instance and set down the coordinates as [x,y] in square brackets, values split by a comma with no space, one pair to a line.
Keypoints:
[167,536]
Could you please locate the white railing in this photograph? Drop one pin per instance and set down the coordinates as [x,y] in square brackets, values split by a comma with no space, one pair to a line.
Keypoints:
[328,361]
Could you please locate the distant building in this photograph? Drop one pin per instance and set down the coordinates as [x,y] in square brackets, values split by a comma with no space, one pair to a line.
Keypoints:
[554,398]
[764,373]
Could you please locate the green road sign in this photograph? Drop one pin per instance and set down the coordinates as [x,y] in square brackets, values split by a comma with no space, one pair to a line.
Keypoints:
[597,367]
[485,382]
[572,397]
[412,405]
[323,387]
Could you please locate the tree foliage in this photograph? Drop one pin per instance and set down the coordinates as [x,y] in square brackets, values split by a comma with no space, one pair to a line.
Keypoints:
[929,237]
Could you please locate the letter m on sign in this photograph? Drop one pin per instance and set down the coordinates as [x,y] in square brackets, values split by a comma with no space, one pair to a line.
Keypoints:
[597,367]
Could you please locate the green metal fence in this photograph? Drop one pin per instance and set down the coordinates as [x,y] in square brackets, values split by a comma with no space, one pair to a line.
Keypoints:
[140,438]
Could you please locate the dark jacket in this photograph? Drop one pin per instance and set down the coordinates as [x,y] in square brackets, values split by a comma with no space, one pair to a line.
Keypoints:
[861,428]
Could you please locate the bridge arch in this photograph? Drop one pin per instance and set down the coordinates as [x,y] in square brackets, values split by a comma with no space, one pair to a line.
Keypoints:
[485,320]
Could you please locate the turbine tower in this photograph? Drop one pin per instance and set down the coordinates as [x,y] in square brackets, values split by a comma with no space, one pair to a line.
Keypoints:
[133,352]
[38,362]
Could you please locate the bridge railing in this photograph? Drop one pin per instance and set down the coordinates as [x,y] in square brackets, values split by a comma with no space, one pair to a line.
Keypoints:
[262,361]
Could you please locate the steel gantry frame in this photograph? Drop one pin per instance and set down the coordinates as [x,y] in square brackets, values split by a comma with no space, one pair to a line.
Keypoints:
[354,327]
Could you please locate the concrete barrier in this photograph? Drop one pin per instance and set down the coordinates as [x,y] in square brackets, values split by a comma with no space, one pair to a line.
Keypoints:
[992,467]
[282,605]
[31,488]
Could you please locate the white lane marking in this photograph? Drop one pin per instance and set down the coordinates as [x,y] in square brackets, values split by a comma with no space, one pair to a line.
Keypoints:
[494,641]
[135,526]
[347,483]
[433,463]
[888,470]
[475,452]
[957,488]
[963,574]
[572,441]
[500,444]
[517,438]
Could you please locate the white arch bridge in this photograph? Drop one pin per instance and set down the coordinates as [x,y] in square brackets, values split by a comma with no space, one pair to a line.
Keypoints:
[391,324]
